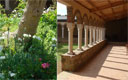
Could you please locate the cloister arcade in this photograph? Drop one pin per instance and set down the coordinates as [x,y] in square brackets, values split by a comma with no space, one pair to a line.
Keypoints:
[91,31]
[96,31]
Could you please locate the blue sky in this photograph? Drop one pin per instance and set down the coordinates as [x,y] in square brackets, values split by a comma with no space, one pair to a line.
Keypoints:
[61,9]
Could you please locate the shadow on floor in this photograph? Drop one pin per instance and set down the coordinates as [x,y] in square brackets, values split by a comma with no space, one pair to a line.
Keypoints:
[116,62]
[93,71]
[118,57]
[108,64]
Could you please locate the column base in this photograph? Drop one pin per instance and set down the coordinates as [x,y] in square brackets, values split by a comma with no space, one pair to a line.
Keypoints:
[79,49]
[94,43]
[90,45]
[71,53]
[85,47]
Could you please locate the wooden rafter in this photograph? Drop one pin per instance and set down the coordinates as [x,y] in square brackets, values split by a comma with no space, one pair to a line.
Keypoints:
[108,6]
[87,8]
[120,12]
[112,18]
[112,8]
[120,15]
[95,8]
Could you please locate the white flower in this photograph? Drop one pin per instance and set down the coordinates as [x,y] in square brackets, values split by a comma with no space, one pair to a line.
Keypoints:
[1,38]
[14,11]
[12,74]
[29,35]
[19,39]
[36,37]
[53,45]
[26,35]
[54,39]
[2,57]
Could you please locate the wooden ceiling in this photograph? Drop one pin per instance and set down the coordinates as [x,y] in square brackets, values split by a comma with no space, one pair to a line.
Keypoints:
[106,9]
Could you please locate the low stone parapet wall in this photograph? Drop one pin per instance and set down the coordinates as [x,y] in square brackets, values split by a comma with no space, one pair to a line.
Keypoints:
[74,62]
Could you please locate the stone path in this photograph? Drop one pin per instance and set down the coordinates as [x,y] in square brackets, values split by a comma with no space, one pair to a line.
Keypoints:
[110,64]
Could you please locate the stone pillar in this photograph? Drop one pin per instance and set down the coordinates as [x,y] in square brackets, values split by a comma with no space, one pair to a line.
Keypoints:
[97,34]
[62,30]
[86,36]
[94,39]
[90,33]
[79,27]
[100,34]
[70,27]
[7,5]
[104,33]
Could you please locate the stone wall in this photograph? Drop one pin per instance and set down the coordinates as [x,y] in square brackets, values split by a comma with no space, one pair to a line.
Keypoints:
[74,62]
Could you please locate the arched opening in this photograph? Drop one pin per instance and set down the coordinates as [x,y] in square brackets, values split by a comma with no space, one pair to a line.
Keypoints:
[77,19]
[86,31]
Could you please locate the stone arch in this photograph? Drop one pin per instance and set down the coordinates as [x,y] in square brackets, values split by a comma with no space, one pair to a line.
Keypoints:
[95,21]
[79,17]
[85,19]
[90,20]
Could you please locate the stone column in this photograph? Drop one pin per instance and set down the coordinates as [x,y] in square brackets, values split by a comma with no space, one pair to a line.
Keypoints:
[94,39]
[97,34]
[62,30]
[86,36]
[100,34]
[104,32]
[7,5]
[90,33]
[79,27]
[70,27]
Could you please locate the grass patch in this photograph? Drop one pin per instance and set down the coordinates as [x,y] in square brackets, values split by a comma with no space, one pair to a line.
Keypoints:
[63,48]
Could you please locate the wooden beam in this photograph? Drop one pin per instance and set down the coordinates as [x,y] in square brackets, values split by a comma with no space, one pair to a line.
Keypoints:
[118,17]
[117,13]
[95,8]
[88,9]
[112,8]
[109,6]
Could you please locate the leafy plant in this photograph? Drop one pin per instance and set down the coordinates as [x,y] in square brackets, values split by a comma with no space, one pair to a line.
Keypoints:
[35,59]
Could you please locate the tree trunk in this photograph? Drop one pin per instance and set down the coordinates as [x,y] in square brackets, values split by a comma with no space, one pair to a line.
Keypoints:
[31,17]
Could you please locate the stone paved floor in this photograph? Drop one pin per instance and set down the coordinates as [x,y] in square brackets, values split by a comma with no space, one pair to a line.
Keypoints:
[110,64]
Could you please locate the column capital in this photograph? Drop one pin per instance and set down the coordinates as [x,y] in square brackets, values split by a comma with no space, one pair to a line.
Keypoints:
[86,25]
[62,24]
[70,26]
[94,27]
[90,27]
[80,26]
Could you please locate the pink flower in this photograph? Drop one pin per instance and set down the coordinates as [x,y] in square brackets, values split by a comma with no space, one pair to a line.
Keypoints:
[40,59]
[45,65]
